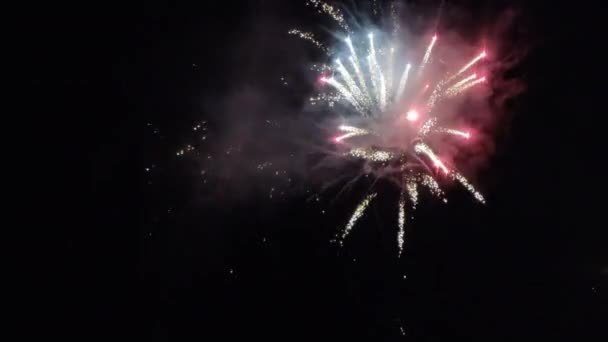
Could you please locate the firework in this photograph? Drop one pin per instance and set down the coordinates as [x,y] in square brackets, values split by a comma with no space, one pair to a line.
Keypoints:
[369,88]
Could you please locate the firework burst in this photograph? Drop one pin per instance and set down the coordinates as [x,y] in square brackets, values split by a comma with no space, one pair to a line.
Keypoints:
[396,99]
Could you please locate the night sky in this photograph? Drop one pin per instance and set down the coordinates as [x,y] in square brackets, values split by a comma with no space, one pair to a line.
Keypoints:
[121,251]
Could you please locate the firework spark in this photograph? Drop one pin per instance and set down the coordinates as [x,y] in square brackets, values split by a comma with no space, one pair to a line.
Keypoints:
[333,12]
[373,91]
[309,36]
[451,131]
[351,132]
[427,55]
[464,86]
[371,154]
[470,64]
[401,222]
[357,214]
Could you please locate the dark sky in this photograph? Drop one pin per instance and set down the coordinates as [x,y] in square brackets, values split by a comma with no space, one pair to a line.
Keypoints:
[123,253]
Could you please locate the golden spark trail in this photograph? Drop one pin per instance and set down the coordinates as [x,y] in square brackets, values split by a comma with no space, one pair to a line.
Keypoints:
[333,12]
[460,178]
[309,37]
[401,222]
[412,189]
[357,214]
[430,182]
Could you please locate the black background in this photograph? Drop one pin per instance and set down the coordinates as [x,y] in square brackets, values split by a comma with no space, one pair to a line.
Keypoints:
[107,259]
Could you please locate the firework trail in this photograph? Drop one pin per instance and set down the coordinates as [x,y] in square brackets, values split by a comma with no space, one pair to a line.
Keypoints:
[470,64]
[432,185]
[371,154]
[351,132]
[403,81]
[401,222]
[451,131]
[342,89]
[404,104]
[309,36]
[357,214]
[460,178]
[427,55]
[460,83]
[463,87]
[333,12]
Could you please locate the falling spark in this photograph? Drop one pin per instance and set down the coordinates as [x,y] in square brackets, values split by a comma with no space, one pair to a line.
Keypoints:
[403,80]
[412,189]
[401,222]
[425,149]
[309,37]
[357,214]
[427,54]
[333,12]
[460,178]
[431,184]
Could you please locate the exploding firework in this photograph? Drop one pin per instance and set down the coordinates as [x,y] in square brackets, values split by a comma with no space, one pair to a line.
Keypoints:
[387,90]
